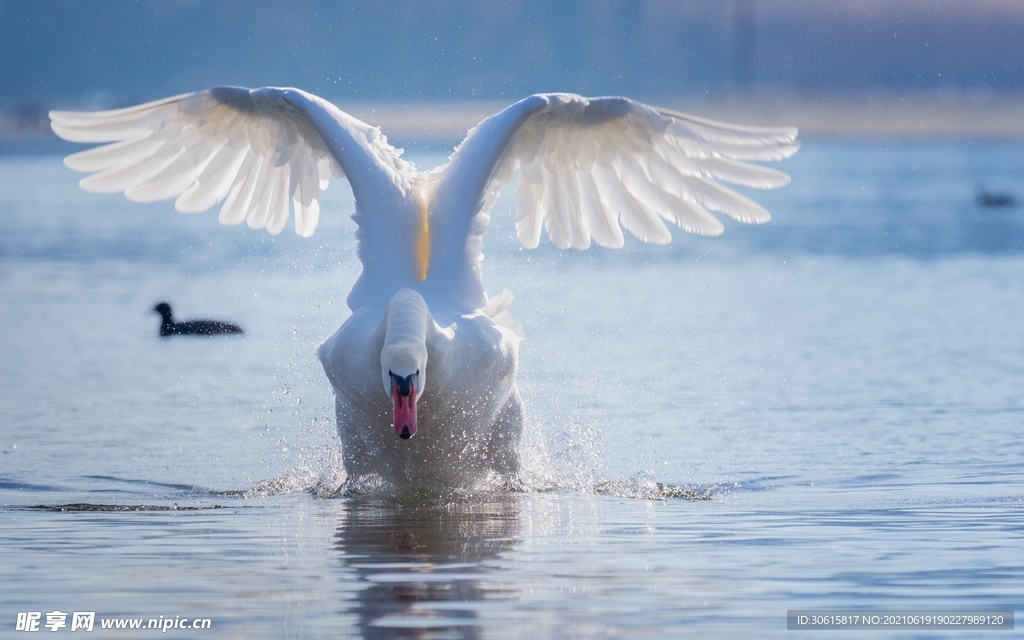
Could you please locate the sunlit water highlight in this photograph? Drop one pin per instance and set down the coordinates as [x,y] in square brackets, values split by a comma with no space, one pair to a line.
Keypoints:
[824,412]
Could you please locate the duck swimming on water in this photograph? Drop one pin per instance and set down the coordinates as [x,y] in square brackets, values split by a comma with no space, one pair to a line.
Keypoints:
[168,327]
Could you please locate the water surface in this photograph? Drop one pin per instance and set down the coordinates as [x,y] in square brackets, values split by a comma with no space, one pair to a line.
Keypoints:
[844,386]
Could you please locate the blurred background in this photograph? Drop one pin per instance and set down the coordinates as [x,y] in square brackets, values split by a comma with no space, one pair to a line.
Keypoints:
[905,68]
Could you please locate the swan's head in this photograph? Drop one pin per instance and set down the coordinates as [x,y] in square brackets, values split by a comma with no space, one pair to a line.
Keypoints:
[404,377]
[403,360]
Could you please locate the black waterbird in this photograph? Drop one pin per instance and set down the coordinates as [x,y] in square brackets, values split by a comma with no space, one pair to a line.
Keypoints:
[168,327]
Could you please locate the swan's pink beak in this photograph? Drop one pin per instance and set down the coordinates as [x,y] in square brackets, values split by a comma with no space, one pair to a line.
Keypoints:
[405,411]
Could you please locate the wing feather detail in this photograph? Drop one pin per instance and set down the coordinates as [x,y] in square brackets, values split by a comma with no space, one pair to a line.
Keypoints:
[260,153]
[589,167]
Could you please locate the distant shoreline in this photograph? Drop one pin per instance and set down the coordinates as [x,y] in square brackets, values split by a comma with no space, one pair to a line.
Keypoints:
[956,117]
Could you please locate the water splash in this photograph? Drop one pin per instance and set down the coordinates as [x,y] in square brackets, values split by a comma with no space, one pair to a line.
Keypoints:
[646,489]
[567,460]
[536,471]
[576,455]
[293,480]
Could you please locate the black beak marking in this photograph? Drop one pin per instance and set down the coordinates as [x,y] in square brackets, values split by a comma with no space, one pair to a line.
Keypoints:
[405,433]
[404,384]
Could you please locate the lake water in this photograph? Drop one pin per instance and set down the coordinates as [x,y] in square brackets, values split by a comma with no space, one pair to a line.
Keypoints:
[821,413]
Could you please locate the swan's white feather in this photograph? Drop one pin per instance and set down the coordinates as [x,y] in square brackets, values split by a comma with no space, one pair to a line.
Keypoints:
[270,150]
[588,168]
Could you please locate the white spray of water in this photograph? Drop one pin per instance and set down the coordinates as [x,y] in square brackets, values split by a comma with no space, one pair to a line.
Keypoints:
[567,460]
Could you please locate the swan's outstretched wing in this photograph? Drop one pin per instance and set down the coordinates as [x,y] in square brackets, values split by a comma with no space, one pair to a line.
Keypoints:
[259,152]
[590,166]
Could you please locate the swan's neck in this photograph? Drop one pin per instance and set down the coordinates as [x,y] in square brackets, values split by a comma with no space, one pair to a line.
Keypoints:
[405,338]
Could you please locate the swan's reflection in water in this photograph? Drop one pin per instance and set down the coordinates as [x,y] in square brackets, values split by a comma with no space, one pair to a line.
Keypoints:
[429,569]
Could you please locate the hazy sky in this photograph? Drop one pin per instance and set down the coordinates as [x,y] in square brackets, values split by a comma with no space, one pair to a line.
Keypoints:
[114,53]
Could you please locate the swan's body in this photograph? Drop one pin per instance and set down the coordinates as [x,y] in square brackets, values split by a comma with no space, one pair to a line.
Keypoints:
[421,321]
[470,413]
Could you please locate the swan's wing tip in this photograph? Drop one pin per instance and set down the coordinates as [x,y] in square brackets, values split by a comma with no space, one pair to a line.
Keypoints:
[592,166]
[258,153]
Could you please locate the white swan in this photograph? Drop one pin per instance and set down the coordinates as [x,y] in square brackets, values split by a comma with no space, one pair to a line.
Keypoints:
[422,326]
